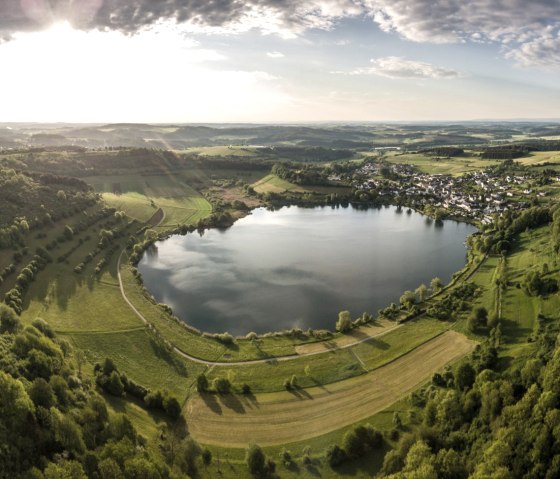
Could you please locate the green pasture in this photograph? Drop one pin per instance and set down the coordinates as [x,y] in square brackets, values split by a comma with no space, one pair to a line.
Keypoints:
[440,165]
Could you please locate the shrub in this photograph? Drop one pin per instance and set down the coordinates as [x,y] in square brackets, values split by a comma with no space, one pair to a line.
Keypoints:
[335,455]
[222,385]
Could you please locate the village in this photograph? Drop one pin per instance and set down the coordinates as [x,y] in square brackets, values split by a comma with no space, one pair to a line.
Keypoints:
[475,196]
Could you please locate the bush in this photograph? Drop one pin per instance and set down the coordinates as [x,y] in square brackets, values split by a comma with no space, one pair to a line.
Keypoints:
[9,322]
[255,460]
[222,385]
[344,322]
[335,455]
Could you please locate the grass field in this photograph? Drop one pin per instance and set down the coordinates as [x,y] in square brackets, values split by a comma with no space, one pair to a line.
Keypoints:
[429,164]
[274,184]
[540,157]
[140,196]
[284,417]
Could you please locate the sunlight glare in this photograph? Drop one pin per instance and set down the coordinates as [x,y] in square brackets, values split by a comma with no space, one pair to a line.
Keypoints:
[65,74]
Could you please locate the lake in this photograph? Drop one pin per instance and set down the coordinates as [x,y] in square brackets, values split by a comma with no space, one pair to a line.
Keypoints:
[274,270]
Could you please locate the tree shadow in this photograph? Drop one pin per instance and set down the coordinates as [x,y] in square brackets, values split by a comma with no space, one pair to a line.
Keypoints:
[317,384]
[231,401]
[377,343]
[251,400]
[312,469]
[162,351]
[300,393]
[211,402]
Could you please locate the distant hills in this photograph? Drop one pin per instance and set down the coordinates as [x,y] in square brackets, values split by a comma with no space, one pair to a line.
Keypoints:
[327,135]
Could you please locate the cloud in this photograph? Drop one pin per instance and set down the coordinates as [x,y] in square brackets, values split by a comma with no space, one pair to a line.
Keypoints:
[542,51]
[283,17]
[397,67]
[528,31]
[275,55]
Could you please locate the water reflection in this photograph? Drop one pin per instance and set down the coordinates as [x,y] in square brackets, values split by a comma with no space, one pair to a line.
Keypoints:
[299,266]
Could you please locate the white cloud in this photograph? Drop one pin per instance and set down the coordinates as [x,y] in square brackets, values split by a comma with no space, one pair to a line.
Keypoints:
[275,55]
[398,67]
[542,51]
[528,30]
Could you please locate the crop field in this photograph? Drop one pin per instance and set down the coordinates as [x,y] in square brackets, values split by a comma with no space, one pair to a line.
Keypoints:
[140,196]
[434,165]
[540,157]
[335,365]
[270,419]
[273,184]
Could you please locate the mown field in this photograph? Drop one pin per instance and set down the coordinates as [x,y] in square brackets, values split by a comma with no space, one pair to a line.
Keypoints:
[140,196]
[539,158]
[284,417]
[439,165]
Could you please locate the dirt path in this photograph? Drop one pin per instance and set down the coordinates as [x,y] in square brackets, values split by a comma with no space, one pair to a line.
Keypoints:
[280,418]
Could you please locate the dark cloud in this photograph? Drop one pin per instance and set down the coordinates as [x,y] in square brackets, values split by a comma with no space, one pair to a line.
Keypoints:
[528,30]
[132,16]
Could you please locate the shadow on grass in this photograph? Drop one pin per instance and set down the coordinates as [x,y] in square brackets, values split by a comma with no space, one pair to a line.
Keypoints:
[513,330]
[300,393]
[231,401]
[366,466]
[312,468]
[250,400]
[161,350]
[211,402]
[377,343]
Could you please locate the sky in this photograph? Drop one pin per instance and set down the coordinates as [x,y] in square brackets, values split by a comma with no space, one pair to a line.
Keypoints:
[180,61]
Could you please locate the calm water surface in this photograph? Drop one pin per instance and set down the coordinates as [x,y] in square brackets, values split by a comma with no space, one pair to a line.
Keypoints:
[273,270]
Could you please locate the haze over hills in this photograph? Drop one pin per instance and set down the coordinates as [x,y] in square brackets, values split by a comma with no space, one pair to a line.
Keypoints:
[330,135]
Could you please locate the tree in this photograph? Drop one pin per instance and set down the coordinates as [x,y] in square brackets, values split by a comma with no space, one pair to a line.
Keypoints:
[115,386]
[42,394]
[202,383]
[67,433]
[436,284]
[478,318]
[344,322]
[68,232]
[206,457]
[65,470]
[255,460]
[189,453]
[421,292]
[465,376]
[9,322]
[222,385]
[352,444]
[335,455]
[109,469]
[172,407]
[481,315]
[407,299]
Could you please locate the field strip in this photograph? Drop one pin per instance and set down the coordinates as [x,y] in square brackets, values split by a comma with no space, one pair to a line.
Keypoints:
[99,331]
[362,334]
[284,417]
